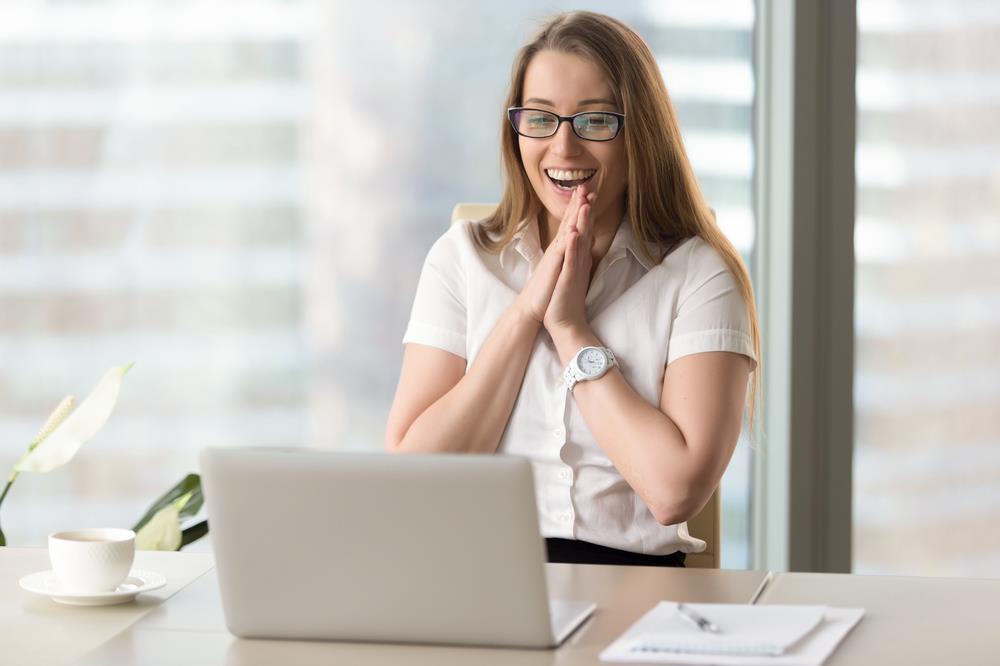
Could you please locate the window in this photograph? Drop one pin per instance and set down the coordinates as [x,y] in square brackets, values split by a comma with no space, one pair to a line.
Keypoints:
[231,198]
[927,464]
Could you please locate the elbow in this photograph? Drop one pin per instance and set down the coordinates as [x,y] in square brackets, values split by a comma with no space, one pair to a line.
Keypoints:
[668,515]
[393,441]
[673,510]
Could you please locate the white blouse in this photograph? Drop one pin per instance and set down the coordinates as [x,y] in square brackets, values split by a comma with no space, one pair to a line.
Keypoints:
[648,314]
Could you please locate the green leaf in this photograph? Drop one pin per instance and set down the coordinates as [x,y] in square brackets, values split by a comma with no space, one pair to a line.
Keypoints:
[3,539]
[193,533]
[66,434]
[190,484]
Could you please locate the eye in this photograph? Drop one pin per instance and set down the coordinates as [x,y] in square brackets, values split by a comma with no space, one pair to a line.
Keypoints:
[538,119]
[597,125]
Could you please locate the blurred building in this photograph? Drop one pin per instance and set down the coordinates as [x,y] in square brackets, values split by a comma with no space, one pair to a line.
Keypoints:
[239,197]
[927,391]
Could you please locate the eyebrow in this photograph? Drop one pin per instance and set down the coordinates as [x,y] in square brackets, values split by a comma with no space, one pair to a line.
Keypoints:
[600,100]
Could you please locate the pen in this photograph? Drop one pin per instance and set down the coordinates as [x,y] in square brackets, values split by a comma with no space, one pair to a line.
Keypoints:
[697,620]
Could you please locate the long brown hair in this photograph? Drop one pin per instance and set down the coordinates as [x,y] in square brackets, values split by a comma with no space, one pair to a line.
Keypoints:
[664,202]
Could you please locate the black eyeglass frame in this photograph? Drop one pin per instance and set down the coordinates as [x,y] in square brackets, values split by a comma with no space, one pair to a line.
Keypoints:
[570,119]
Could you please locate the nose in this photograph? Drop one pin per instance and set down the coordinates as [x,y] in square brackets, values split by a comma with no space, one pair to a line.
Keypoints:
[564,142]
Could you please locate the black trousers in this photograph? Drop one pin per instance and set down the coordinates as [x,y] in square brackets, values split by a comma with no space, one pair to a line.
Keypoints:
[584,552]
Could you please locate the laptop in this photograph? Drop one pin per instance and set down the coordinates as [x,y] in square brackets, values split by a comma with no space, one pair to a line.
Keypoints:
[322,545]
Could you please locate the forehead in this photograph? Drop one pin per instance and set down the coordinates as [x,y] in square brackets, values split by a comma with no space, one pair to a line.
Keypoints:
[565,79]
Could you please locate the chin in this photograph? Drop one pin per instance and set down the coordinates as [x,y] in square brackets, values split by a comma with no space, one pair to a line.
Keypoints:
[557,208]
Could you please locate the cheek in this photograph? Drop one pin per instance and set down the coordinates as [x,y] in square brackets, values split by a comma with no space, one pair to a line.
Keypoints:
[530,159]
[617,171]
[528,155]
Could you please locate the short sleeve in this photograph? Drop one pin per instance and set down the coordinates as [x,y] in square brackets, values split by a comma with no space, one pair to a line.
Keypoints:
[711,312]
[438,317]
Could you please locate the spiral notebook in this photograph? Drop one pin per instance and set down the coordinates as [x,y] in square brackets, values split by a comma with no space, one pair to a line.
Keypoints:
[749,635]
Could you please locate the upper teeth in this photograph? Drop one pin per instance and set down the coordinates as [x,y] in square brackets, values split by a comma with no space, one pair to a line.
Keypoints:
[576,174]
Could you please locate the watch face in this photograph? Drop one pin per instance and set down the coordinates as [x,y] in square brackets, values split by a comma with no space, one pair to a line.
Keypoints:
[592,361]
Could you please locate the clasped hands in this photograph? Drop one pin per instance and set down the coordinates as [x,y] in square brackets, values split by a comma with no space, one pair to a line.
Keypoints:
[556,293]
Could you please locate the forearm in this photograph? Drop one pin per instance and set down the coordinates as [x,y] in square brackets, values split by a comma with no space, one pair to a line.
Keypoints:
[642,442]
[471,417]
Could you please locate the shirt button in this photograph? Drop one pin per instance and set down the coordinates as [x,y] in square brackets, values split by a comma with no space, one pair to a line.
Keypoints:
[564,474]
[558,433]
[566,517]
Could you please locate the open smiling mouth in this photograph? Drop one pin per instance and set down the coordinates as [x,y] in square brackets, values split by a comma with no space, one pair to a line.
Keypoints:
[568,180]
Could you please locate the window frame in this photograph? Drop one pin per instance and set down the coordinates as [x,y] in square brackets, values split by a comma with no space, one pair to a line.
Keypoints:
[805,125]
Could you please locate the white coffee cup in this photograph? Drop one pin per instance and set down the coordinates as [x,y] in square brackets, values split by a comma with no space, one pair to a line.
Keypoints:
[92,560]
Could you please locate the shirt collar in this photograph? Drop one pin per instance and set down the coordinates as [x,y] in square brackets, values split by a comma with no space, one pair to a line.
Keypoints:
[527,243]
[625,241]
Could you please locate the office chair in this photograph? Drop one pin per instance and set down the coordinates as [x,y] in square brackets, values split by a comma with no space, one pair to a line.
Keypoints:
[704,526]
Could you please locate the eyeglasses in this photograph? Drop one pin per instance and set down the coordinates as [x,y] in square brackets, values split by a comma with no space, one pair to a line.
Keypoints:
[589,125]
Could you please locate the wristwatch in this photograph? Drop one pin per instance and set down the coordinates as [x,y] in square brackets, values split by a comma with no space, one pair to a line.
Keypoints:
[589,363]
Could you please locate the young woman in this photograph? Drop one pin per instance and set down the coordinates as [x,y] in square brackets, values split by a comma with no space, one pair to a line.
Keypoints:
[598,323]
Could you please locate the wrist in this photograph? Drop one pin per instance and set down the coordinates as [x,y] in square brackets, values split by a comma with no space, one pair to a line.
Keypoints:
[520,315]
[571,339]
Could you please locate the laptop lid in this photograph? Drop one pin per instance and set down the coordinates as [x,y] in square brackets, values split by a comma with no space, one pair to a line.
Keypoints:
[377,547]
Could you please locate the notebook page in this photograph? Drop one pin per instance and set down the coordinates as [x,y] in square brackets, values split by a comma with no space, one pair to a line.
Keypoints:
[812,650]
[744,629]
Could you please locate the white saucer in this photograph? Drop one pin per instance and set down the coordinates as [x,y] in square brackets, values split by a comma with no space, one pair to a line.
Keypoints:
[46,584]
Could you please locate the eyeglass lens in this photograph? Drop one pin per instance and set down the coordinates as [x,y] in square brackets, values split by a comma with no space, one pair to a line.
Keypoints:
[595,126]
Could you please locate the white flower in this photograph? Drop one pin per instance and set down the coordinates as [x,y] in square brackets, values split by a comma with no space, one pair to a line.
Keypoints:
[64,433]
[163,531]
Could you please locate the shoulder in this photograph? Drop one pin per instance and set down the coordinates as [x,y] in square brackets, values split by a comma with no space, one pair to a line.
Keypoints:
[458,236]
[693,253]
[455,244]
[457,251]
[461,236]
[691,259]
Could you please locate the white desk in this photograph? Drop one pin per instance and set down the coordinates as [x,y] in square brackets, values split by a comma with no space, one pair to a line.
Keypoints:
[908,620]
[190,628]
[36,630]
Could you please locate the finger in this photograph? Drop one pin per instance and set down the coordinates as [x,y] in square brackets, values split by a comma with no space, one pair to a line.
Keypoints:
[581,200]
[553,255]
[549,270]
[570,211]
[569,216]
[583,224]
[583,193]
[569,259]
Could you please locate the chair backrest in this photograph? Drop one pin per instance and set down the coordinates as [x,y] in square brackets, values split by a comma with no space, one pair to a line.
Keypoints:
[706,525]
[471,211]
